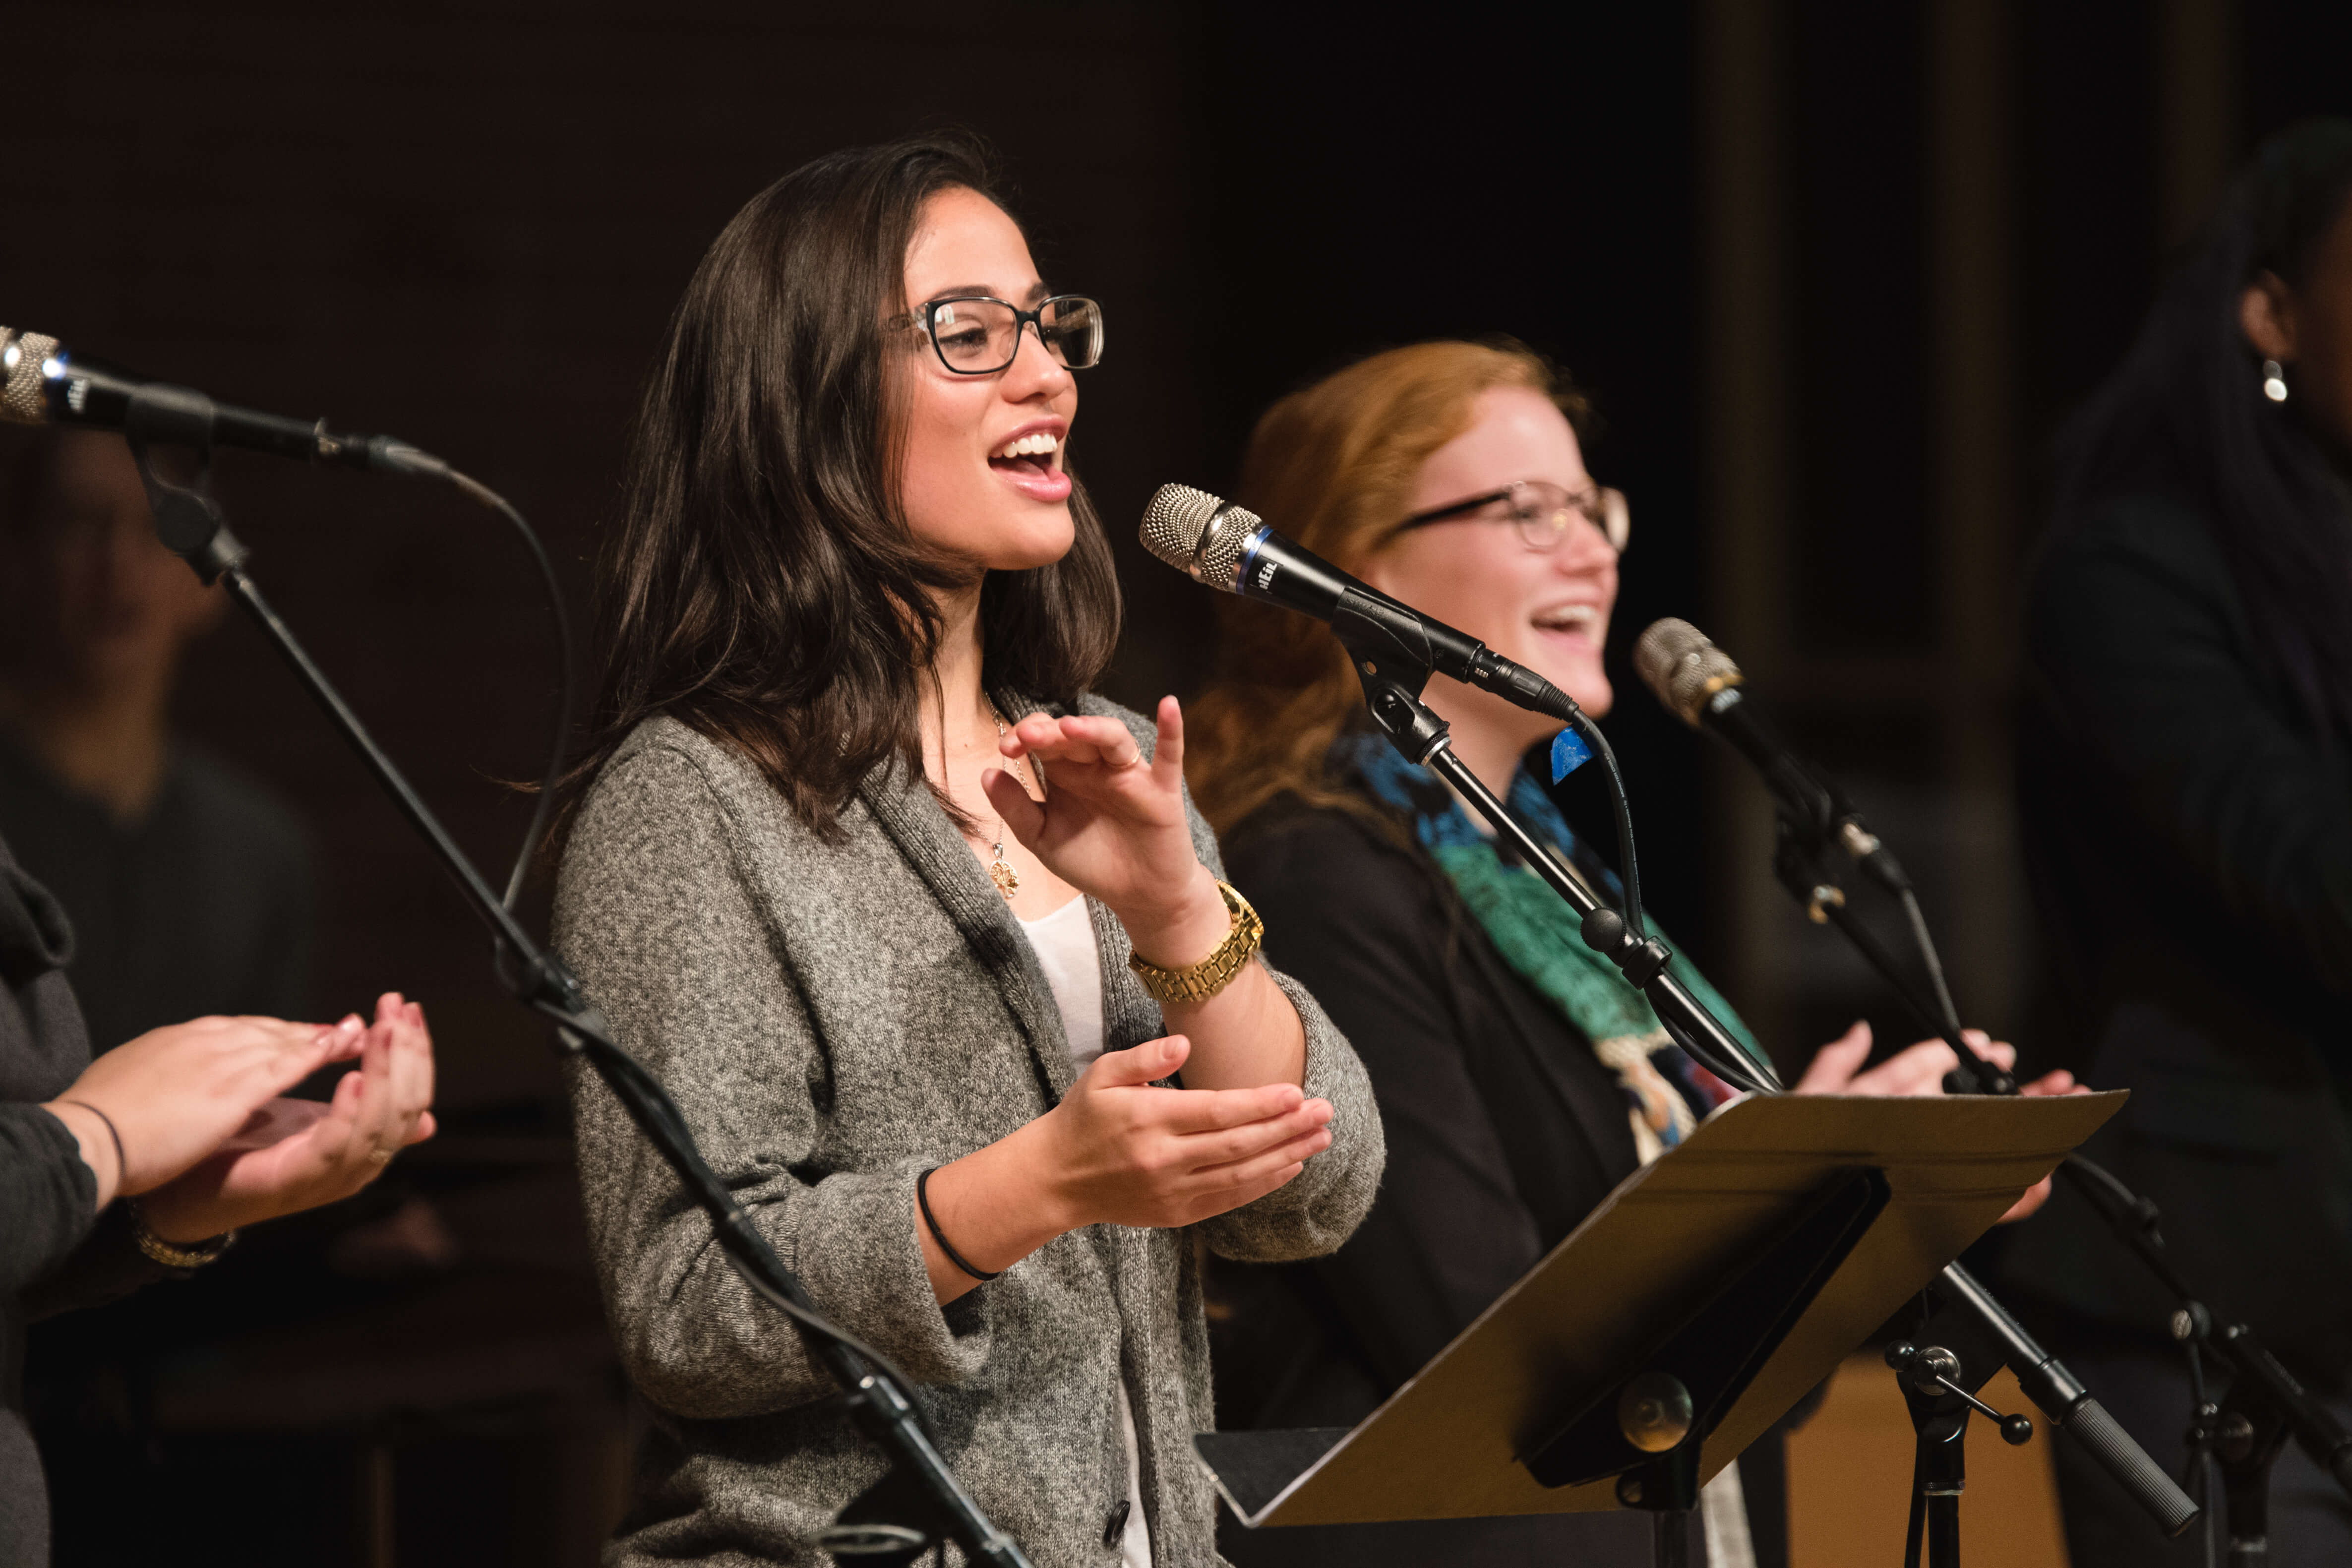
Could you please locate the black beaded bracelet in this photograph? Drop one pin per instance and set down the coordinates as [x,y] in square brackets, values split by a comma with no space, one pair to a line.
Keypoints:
[923,1201]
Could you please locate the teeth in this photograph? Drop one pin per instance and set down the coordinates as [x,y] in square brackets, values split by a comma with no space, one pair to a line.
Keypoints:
[1036,444]
[1579,617]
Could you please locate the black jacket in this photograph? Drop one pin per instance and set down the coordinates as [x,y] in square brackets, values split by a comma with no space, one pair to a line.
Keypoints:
[1504,1132]
[2190,832]
[53,1254]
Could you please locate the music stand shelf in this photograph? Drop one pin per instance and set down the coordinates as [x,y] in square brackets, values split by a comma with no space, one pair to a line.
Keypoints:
[1697,1250]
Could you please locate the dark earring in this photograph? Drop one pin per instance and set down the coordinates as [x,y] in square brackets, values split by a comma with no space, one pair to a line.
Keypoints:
[2273,381]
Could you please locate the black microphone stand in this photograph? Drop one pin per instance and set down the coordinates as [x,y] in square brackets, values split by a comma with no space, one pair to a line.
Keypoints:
[1394,670]
[919,1500]
[2242,1434]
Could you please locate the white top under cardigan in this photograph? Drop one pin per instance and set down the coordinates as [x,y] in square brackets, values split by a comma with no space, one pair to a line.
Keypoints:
[1072,960]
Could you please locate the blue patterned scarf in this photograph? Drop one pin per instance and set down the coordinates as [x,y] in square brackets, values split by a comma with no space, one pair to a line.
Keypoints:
[1541,937]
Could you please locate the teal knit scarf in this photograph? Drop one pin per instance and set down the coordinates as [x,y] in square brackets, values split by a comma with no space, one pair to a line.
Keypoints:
[1540,936]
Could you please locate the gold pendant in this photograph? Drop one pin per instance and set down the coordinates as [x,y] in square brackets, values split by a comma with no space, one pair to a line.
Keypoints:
[1001,873]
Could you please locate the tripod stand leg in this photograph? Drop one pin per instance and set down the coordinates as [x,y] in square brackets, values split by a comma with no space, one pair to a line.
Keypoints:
[1944,1530]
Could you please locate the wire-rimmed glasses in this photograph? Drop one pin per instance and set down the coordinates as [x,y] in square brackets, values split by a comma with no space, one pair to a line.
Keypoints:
[1541,511]
[976,336]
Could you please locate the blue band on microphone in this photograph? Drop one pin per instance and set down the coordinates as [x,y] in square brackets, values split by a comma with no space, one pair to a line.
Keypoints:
[1249,557]
[1568,752]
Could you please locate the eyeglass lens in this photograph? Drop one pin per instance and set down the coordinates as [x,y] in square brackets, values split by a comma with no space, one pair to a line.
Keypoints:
[1544,512]
[976,337]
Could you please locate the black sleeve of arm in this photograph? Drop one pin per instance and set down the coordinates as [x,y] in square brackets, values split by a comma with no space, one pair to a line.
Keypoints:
[1363,926]
[48,1198]
[2129,628]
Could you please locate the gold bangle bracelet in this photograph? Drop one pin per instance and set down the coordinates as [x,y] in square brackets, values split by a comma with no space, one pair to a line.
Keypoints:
[172,1255]
[1198,982]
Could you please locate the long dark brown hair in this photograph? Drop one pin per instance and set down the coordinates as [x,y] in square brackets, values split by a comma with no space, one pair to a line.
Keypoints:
[763,587]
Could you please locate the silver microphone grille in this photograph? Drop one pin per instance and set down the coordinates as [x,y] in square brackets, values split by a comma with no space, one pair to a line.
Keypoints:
[1200,534]
[1676,660]
[21,354]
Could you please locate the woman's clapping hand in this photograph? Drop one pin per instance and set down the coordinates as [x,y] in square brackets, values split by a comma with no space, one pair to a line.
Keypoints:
[296,1154]
[1836,1068]
[1126,1152]
[1120,1151]
[150,1109]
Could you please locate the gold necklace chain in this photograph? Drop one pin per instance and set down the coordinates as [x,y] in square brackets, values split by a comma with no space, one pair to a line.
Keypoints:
[1000,869]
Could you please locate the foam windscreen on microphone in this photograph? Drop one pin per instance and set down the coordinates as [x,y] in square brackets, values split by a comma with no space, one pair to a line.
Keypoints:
[21,354]
[1676,661]
[1199,534]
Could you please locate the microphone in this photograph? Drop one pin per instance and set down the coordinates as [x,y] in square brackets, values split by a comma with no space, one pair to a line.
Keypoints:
[1229,547]
[1698,682]
[43,382]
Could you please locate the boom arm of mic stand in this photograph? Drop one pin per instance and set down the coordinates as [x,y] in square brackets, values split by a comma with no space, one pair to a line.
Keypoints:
[1422,736]
[883,1408]
[1417,731]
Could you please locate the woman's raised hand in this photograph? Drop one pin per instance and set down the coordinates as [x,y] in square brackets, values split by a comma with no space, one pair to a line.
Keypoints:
[1124,1152]
[1113,825]
[175,1094]
[296,1154]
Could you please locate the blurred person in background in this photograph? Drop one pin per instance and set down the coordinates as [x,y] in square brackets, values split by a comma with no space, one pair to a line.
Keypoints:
[2185,785]
[188,883]
[1518,1077]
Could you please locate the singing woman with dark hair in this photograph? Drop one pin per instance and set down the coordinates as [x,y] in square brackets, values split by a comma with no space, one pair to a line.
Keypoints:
[2185,782]
[919,933]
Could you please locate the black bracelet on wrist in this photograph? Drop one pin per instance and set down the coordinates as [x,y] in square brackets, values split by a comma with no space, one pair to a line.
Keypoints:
[923,1201]
[121,1160]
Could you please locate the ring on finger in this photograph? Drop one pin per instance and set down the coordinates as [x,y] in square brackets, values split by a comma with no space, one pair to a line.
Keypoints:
[379,1156]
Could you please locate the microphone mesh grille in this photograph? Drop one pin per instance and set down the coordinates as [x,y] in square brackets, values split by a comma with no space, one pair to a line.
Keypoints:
[1173,522]
[20,375]
[1676,661]
[1198,534]
[1218,562]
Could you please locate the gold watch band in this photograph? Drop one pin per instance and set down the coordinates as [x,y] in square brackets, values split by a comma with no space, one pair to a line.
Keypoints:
[1198,982]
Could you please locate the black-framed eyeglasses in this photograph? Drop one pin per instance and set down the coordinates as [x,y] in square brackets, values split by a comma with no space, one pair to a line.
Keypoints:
[1541,511]
[975,336]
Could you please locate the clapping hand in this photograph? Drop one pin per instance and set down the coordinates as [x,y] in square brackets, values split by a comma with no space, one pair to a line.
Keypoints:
[296,1154]
[1836,1068]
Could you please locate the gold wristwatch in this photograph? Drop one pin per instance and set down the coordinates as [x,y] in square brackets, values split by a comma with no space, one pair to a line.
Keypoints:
[1198,982]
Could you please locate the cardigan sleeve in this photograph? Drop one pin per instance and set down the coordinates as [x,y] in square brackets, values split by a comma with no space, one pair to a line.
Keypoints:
[654,913]
[1353,919]
[1320,1207]
[2130,632]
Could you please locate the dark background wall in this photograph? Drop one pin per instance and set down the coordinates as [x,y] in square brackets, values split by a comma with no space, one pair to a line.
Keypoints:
[1834,271]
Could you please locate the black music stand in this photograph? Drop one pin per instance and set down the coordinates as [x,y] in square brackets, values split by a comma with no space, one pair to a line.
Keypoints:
[1710,1292]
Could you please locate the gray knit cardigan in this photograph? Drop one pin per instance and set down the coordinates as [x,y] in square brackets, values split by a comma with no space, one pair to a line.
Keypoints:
[834,1018]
